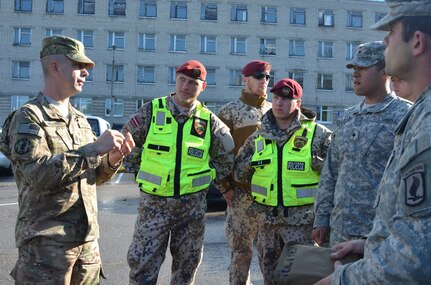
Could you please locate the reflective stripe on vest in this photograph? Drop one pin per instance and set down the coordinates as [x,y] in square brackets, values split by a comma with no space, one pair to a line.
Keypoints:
[294,175]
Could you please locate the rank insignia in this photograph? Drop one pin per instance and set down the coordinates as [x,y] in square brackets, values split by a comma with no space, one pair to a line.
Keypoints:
[414,185]
[300,142]
[199,127]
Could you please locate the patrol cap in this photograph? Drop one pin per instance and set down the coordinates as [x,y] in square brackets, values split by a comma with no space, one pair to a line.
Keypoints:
[288,88]
[256,66]
[193,69]
[368,54]
[402,8]
[67,46]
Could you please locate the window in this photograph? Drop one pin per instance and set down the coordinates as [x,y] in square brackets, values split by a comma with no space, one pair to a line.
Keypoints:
[178,10]
[86,37]
[117,8]
[146,74]
[267,46]
[118,73]
[53,32]
[211,77]
[177,43]
[324,81]
[351,49]
[83,104]
[18,101]
[268,15]
[21,69]
[296,48]
[208,12]
[237,45]
[238,13]
[298,76]
[354,19]
[117,107]
[325,49]
[297,16]
[147,42]
[349,82]
[21,37]
[326,18]
[235,77]
[117,39]
[55,6]
[86,7]
[140,103]
[172,75]
[23,5]
[208,44]
[379,16]
[148,8]
[324,114]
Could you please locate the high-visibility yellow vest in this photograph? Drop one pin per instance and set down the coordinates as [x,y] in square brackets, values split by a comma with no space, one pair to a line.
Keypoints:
[283,176]
[175,157]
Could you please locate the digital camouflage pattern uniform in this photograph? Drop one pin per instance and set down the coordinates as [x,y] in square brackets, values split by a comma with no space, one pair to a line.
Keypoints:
[179,218]
[363,141]
[56,171]
[242,116]
[285,223]
[398,249]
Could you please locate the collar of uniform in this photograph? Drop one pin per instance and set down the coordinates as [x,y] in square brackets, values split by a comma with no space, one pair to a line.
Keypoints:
[51,112]
[252,99]
[179,115]
[377,107]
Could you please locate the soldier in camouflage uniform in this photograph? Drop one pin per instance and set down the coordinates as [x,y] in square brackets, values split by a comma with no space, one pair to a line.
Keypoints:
[58,162]
[181,148]
[398,249]
[242,116]
[361,147]
[280,164]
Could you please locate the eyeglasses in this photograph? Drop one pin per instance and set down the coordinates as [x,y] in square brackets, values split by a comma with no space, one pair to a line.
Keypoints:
[261,75]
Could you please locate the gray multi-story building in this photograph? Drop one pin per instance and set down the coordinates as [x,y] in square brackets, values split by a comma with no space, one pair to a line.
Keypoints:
[137,45]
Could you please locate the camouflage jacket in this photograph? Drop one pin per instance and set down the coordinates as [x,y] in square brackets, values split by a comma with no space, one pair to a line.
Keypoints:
[243,116]
[243,171]
[356,159]
[221,150]
[56,171]
[398,249]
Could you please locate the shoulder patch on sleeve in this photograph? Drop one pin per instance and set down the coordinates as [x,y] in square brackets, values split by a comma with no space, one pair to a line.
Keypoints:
[22,146]
[28,129]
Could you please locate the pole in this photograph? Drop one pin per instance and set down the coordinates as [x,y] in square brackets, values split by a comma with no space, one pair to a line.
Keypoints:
[114,47]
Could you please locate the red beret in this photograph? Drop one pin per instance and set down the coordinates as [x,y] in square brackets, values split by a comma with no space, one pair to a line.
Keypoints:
[256,66]
[193,69]
[288,88]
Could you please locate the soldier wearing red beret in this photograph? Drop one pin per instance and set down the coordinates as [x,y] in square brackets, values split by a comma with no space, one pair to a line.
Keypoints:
[280,165]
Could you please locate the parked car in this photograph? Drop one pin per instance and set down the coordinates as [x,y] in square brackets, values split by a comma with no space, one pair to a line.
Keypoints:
[98,125]
[5,164]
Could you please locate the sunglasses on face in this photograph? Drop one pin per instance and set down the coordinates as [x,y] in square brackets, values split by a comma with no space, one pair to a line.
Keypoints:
[261,75]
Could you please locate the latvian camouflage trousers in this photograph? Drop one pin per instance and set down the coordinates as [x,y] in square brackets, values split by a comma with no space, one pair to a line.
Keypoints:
[240,230]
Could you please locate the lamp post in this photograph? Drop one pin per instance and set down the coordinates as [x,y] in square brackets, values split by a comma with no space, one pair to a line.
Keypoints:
[114,47]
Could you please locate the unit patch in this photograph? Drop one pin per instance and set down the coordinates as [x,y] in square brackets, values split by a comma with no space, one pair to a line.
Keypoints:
[300,142]
[195,152]
[296,165]
[414,185]
[22,146]
[199,127]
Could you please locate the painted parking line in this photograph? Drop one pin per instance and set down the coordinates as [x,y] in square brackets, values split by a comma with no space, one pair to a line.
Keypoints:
[8,204]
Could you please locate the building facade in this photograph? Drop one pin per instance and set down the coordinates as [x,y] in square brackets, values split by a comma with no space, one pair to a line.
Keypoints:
[138,44]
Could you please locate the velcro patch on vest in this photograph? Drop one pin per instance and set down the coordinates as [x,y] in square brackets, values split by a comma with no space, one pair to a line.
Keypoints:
[296,165]
[195,152]
[199,127]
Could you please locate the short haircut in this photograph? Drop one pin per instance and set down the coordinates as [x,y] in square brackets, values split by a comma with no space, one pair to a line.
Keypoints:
[411,24]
